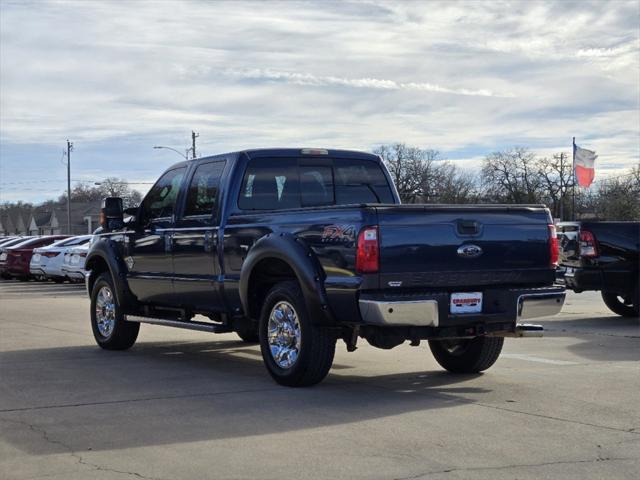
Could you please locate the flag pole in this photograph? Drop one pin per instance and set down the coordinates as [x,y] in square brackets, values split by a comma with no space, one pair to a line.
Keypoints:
[573,208]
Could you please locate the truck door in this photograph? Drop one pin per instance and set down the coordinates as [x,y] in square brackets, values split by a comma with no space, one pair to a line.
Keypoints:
[196,265]
[149,246]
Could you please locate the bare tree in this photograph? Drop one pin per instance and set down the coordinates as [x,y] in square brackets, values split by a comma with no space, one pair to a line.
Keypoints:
[450,184]
[116,187]
[109,187]
[511,176]
[422,176]
[556,181]
[410,169]
[618,198]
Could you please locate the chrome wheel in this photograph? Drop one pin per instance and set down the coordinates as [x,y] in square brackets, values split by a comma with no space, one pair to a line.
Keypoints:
[283,334]
[105,311]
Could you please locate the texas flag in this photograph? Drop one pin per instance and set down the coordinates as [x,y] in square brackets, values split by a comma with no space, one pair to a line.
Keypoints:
[584,165]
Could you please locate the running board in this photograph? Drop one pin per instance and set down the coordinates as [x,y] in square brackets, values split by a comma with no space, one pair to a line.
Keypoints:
[189,325]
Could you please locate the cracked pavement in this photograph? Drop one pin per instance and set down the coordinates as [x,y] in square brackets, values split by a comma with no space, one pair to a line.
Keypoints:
[187,405]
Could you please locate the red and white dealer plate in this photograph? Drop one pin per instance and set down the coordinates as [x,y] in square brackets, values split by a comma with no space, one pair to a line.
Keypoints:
[466,302]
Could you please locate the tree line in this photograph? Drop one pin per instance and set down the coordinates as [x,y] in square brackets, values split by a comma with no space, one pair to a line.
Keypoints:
[515,175]
[80,193]
[511,176]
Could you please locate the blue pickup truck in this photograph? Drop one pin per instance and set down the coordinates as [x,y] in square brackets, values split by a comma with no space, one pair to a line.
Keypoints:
[298,248]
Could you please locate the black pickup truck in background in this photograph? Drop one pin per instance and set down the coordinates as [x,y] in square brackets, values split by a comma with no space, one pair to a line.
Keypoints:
[602,256]
[297,248]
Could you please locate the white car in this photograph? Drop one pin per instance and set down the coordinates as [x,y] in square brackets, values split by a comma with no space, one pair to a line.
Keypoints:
[74,260]
[47,262]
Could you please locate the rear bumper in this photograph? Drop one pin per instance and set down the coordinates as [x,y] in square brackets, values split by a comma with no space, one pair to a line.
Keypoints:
[432,310]
[73,274]
[537,305]
[581,279]
[17,270]
[418,313]
[37,271]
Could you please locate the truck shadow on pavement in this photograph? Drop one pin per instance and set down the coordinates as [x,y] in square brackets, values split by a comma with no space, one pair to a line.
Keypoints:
[607,338]
[78,398]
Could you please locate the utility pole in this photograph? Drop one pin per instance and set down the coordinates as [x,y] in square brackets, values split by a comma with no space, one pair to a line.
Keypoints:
[69,149]
[561,186]
[194,135]
[573,175]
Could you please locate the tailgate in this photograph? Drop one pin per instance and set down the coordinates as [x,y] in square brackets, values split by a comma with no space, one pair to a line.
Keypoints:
[460,246]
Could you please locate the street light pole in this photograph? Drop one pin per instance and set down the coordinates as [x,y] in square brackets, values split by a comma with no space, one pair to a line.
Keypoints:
[69,149]
[157,147]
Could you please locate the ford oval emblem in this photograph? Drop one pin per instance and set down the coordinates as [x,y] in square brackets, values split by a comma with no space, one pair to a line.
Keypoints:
[469,251]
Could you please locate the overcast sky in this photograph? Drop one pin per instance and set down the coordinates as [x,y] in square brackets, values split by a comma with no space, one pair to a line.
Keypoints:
[465,78]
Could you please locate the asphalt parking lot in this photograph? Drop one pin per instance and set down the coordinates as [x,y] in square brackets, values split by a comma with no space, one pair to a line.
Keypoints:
[190,405]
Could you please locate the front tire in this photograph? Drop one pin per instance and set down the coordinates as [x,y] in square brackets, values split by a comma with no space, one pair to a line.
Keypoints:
[467,355]
[621,305]
[296,352]
[110,329]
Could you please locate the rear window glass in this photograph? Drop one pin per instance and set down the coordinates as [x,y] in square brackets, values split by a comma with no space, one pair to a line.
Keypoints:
[270,184]
[316,185]
[360,181]
[279,183]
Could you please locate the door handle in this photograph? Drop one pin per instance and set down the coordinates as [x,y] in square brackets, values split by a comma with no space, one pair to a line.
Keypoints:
[208,241]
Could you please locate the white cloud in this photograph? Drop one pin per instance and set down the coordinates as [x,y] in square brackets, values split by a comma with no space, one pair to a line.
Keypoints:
[373,83]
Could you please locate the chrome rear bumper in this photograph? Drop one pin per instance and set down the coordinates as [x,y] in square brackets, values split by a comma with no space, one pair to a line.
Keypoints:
[425,312]
[536,305]
[419,313]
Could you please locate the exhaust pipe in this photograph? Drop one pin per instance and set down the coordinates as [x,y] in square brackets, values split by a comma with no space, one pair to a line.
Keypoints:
[524,330]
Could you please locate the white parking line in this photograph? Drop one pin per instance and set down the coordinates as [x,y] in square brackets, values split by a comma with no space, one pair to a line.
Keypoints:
[532,358]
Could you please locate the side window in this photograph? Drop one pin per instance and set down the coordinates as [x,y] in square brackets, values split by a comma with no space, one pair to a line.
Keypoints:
[203,189]
[316,185]
[161,200]
[360,181]
[270,184]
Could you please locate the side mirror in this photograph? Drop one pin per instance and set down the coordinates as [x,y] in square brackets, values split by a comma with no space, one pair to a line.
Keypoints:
[111,214]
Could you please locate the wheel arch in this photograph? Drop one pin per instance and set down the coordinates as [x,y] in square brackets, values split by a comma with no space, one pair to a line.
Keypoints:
[104,257]
[280,257]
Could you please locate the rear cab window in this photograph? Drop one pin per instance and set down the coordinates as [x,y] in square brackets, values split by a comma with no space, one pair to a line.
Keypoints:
[285,183]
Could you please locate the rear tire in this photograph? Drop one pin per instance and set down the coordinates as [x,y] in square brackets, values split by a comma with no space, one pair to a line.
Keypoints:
[625,306]
[110,329]
[296,352]
[467,355]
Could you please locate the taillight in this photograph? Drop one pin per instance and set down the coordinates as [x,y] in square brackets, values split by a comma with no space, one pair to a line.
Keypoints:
[50,254]
[588,245]
[554,248]
[368,253]
[83,254]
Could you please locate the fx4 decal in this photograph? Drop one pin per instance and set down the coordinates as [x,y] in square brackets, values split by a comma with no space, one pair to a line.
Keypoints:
[339,234]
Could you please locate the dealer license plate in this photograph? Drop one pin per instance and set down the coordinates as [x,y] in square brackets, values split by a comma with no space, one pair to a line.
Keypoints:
[75,259]
[36,257]
[466,302]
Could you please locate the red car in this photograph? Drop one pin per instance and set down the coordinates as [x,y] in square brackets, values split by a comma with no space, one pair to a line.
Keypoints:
[14,260]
